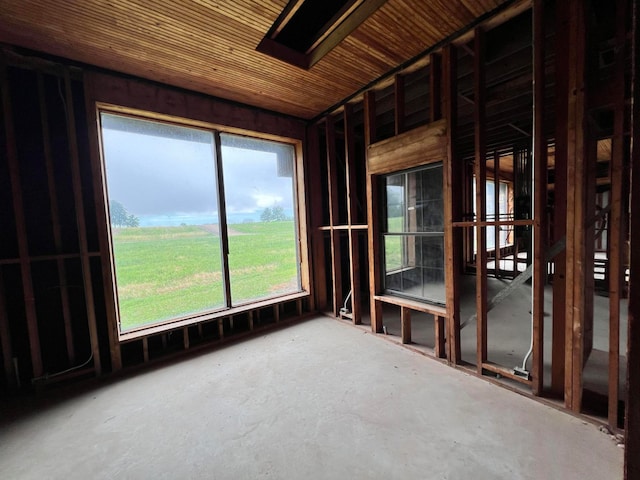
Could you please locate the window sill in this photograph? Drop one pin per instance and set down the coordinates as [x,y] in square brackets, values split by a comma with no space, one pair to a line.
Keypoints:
[170,325]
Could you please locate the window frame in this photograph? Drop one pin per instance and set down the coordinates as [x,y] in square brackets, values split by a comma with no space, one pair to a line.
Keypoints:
[300,222]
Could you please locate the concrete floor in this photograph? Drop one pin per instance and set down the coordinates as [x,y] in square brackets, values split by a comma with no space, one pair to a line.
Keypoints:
[320,399]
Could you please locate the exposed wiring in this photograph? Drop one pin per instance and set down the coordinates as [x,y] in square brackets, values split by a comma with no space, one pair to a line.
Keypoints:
[47,376]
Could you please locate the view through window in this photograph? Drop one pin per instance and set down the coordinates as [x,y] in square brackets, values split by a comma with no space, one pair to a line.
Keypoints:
[413,234]
[164,194]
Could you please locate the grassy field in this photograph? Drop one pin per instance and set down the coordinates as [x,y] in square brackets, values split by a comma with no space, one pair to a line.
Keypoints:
[166,272]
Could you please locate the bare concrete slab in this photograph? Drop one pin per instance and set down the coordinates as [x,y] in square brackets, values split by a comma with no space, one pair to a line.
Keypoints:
[320,399]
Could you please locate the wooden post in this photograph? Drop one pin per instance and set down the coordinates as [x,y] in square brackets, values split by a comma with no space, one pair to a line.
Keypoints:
[405,324]
[540,198]
[332,176]
[319,292]
[352,205]
[452,204]
[480,170]
[560,200]
[375,281]
[435,86]
[632,418]
[438,333]
[21,228]
[617,240]
[575,305]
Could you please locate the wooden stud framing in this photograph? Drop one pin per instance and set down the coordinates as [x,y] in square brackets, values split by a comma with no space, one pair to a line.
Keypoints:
[496,208]
[539,198]
[558,354]
[576,205]
[55,220]
[452,205]
[399,104]
[375,282]
[82,227]
[332,176]
[21,228]
[632,418]
[352,205]
[617,240]
[319,292]
[439,336]
[480,170]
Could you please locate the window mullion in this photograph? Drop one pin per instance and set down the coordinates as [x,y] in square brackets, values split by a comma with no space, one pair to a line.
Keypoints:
[222,219]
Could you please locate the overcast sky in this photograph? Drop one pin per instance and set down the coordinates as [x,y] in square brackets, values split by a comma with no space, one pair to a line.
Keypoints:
[158,175]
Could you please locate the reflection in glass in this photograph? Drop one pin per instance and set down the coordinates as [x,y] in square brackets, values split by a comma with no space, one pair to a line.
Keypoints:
[414,234]
[164,219]
[260,207]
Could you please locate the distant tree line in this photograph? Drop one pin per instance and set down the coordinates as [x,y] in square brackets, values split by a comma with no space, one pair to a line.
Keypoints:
[275,214]
[120,217]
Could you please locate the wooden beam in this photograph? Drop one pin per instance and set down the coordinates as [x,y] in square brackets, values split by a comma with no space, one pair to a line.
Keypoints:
[480,171]
[375,280]
[398,88]
[617,223]
[632,418]
[539,198]
[76,177]
[452,204]
[333,193]
[435,86]
[439,336]
[21,228]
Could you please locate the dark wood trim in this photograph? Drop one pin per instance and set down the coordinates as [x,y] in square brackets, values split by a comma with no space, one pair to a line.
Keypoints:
[405,324]
[104,232]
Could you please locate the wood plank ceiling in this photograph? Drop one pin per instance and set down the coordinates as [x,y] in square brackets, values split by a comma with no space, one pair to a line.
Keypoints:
[209,46]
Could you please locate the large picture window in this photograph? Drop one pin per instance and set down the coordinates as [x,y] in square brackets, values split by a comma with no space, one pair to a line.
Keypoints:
[413,234]
[200,221]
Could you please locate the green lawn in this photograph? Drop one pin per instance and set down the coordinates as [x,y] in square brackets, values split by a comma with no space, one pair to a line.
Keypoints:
[167,272]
